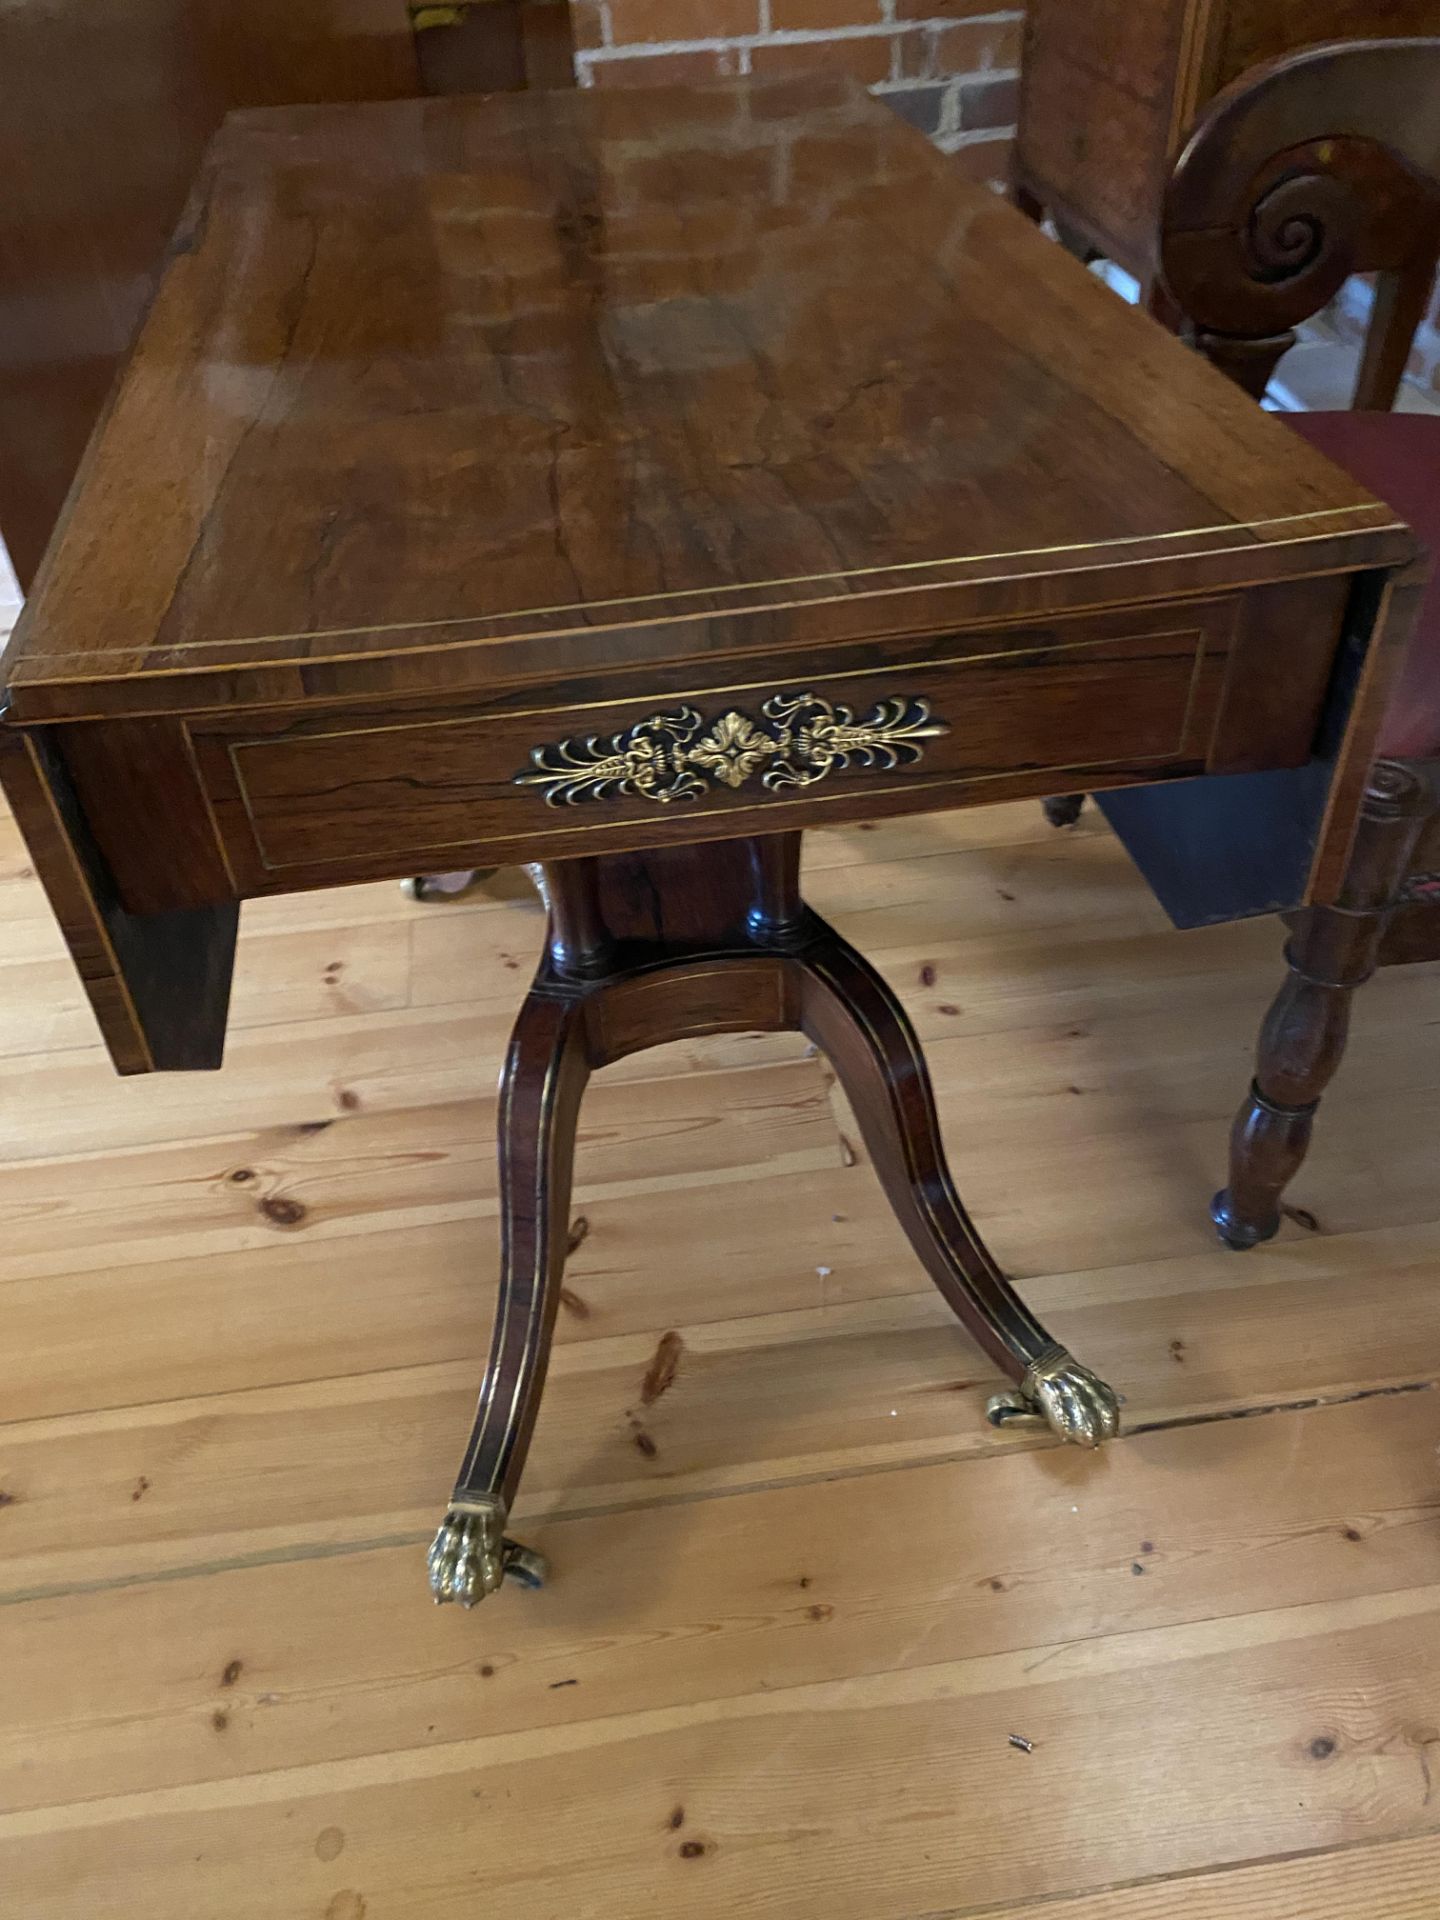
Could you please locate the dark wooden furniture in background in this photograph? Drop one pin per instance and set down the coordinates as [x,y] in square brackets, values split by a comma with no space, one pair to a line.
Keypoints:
[104,114]
[493,46]
[578,479]
[1310,169]
[1109,91]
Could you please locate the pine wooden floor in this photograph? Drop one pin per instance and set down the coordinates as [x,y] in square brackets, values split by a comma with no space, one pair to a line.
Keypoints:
[805,1596]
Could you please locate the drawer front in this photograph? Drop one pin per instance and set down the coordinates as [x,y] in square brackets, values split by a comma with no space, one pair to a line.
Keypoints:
[1100,700]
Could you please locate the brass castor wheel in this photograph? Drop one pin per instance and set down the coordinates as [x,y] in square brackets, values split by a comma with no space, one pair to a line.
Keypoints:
[1013,1410]
[525,1566]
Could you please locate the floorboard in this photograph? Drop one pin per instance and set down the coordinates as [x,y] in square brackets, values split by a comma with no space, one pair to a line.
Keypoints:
[804,1599]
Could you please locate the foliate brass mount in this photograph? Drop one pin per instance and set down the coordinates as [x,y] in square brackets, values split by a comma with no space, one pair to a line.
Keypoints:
[798,740]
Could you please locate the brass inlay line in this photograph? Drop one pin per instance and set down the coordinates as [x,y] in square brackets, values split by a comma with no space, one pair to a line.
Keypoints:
[187,740]
[920,1188]
[922,782]
[362,700]
[235,748]
[98,926]
[743,686]
[543,1239]
[888,569]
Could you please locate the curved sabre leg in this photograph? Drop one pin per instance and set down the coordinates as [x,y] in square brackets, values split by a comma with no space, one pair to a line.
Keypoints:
[850,1013]
[545,1074]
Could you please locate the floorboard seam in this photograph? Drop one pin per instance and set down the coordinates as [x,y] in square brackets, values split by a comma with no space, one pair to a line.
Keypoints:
[1051,1902]
[331,1550]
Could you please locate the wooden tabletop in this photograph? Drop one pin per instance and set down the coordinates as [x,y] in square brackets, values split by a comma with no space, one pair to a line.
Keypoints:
[439,394]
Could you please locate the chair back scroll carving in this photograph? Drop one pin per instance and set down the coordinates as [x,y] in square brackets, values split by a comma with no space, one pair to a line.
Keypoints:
[1306,170]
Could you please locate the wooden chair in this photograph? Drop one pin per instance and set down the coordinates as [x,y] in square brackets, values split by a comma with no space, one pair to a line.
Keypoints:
[1309,169]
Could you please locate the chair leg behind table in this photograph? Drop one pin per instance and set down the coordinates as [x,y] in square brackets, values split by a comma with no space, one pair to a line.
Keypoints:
[1331,951]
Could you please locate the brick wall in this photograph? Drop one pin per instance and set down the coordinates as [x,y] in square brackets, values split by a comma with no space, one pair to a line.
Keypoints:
[950,66]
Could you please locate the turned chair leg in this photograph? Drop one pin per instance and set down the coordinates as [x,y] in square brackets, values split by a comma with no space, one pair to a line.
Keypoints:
[846,1008]
[1331,952]
[545,1074]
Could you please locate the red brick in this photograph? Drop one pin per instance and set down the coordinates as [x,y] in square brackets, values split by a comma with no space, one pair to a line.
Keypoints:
[635,22]
[985,161]
[866,56]
[663,69]
[915,49]
[800,16]
[974,46]
[971,46]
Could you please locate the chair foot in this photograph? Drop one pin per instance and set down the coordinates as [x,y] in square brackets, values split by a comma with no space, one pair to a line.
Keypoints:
[1237,1233]
[1331,952]
[1057,1392]
[472,1555]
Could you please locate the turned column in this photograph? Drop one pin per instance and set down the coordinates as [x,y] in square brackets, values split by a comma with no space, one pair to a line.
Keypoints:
[1332,950]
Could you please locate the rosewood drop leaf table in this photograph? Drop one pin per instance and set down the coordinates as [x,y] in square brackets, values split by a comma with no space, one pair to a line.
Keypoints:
[621,483]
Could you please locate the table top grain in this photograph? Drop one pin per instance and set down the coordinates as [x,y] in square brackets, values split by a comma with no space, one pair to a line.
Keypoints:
[441,393]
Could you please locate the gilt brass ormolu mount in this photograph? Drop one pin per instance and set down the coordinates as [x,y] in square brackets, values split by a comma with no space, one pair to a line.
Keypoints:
[642,949]
[798,740]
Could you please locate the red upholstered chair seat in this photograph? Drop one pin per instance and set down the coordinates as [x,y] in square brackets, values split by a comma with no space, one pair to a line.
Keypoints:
[1397,456]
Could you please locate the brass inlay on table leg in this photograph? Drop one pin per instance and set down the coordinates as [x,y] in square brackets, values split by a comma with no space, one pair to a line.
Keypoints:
[1057,1392]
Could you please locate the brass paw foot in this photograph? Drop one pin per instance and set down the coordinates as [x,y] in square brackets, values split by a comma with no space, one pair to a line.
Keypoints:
[471,1555]
[1057,1392]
